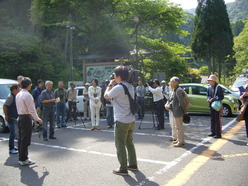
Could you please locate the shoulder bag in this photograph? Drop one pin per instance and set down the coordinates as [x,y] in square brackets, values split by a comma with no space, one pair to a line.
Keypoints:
[134,106]
[216,105]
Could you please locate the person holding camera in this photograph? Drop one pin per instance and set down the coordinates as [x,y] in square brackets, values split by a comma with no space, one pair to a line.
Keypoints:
[124,120]
[61,95]
[95,104]
[158,100]
[86,101]
[72,102]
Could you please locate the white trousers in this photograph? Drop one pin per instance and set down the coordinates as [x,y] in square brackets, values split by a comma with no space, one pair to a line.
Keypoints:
[95,115]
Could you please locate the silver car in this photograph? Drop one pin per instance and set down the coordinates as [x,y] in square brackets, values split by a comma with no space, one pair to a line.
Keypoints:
[4,92]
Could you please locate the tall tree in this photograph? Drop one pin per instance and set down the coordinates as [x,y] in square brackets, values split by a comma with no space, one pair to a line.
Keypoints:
[212,39]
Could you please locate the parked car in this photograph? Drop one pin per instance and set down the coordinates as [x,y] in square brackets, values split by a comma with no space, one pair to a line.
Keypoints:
[197,95]
[237,84]
[4,92]
[80,99]
[228,91]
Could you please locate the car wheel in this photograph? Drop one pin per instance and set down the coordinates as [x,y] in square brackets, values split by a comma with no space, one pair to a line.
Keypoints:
[2,125]
[226,110]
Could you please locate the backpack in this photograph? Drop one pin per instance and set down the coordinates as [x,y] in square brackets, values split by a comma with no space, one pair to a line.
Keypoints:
[187,100]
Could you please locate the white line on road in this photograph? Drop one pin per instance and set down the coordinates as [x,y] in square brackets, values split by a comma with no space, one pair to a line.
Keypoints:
[184,155]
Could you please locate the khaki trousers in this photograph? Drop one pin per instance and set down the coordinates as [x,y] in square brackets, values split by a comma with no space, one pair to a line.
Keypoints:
[179,128]
[173,125]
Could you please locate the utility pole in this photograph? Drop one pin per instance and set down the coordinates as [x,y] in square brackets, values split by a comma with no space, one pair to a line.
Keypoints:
[71,28]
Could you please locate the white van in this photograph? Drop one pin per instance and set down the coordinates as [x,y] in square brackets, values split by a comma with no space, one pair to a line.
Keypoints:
[4,92]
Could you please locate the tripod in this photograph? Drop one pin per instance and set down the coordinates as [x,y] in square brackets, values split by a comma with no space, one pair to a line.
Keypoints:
[150,105]
[75,113]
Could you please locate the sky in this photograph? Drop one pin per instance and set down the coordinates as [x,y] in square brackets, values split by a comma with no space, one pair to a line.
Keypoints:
[188,4]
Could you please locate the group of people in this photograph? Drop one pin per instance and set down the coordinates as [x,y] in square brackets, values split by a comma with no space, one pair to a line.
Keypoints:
[21,107]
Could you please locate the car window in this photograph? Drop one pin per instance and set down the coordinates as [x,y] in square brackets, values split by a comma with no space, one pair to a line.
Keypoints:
[80,92]
[185,88]
[4,91]
[197,90]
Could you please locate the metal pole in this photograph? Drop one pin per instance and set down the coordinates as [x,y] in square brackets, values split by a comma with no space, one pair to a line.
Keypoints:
[66,46]
[71,55]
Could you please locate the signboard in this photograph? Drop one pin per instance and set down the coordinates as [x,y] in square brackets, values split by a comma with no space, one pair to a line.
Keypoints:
[100,72]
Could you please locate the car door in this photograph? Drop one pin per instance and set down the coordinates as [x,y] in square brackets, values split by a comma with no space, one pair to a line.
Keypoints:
[198,99]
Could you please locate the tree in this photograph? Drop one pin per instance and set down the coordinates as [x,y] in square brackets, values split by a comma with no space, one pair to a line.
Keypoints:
[212,39]
[241,49]
[237,27]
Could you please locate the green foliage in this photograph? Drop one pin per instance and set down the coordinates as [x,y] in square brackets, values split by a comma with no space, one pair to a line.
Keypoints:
[203,71]
[212,39]
[241,48]
[237,27]
[238,10]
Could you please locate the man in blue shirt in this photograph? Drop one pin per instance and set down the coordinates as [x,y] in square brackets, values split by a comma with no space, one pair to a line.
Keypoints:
[11,116]
[124,120]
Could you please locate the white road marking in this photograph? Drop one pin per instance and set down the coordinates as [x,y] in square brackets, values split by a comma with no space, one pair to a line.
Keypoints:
[184,155]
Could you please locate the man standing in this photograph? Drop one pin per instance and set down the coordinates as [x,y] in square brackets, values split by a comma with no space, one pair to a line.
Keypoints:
[140,98]
[86,101]
[178,107]
[26,110]
[166,92]
[36,93]
[72,98]
[215,93]
[11,116]
[124,120]
[158,102]
[19,80]
[60,94]
[47,100]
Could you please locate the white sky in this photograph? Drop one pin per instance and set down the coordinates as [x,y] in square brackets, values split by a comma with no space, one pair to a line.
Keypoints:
[188,4]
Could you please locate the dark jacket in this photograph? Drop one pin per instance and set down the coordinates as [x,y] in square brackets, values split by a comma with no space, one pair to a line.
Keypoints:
[179,104]
[36,93]
[12,110]
[211,93]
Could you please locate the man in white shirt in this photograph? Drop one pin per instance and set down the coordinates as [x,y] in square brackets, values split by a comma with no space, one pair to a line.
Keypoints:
[166,92]
[140,98]
[86,101]
[26,111]
[158,100]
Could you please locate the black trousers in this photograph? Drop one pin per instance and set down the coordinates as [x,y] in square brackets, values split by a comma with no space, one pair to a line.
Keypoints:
[72,106]
[141,102]
[25,132]
[216,125]
[159,108]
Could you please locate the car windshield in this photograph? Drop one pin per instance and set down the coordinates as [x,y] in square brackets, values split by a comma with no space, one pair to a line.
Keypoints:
[4,91]
[239,84]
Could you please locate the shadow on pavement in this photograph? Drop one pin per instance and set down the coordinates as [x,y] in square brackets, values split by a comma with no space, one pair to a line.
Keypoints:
[141,179]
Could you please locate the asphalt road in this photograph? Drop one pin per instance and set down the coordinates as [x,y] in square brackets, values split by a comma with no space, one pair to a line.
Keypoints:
[82,157]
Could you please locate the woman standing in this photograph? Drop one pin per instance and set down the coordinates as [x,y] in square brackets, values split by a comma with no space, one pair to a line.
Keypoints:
[95,104]
[244,98]
[215,93]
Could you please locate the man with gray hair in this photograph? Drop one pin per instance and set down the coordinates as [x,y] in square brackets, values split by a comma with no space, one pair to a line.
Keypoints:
[178,107]
[47,99]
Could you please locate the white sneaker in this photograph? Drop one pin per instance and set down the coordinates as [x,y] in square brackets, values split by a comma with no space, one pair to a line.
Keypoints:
[26,162]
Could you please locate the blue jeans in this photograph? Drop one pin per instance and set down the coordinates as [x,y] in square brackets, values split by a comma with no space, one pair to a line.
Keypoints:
[12,126]
[60,110]
[48,115]
[110,116]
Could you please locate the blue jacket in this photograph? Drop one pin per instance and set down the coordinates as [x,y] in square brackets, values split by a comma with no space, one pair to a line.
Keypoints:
[211,93]
[36,93]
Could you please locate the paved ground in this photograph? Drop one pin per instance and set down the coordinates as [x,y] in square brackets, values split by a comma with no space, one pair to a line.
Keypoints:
[83,157]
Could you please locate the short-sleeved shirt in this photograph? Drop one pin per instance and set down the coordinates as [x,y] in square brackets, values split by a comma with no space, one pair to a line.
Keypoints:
[122,111]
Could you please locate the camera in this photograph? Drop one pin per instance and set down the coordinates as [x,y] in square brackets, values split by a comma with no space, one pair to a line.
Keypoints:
[149,82]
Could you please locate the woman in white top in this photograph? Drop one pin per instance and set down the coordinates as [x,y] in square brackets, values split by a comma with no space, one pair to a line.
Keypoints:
[95,104]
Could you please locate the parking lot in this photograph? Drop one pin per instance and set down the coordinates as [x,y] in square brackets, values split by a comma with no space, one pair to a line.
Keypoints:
[82,157]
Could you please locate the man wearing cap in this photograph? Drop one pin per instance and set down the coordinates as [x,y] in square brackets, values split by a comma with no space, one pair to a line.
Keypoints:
[86,101]
[72,104]
[215,93]
[166,92]
[140,98]
[178,108]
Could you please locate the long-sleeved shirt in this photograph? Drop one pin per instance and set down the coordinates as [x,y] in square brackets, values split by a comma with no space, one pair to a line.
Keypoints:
[215,96]
[157,93]
[61,94]
[25,104]
[72,94]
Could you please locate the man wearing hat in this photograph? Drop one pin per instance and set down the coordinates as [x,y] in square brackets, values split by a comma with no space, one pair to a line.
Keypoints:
[166,92]
[86,101]
[215,93]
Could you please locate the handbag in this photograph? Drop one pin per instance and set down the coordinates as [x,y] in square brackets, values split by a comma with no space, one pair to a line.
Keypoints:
[134,106]
[186,118]
[241,116]
[216,105]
